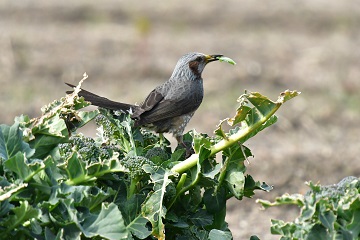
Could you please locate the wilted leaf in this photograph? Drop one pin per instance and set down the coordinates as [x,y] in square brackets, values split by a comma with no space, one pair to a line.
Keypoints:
[296,199]
[81,119]
[48,135]
[7,191]
[251,186]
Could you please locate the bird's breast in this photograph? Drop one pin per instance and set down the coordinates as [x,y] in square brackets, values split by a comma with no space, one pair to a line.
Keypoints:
[184,89]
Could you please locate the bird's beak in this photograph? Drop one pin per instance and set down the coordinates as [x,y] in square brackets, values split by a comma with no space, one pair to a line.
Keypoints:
[211,58]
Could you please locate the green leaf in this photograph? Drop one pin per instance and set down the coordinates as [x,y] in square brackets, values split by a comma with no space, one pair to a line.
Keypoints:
[89,197]
[346,235]
[22,214]
[354,225]
[11,142]
[50,236]
[72,230]
[48,135]
[198,233]
[219,131]
[153,209]
[233,169]
[35,226]
[227,59]
[327,219]
[241,114]
[76,170]
[251,185]
[131,211]
[83,118]
[52,126]
[210,175]
[214,201]
[235,182]
[138,227]
[289,230]
[318,232]
[177,155]
[201,218]
[24,168]
[5,207]
[216,234]
[200,141]
[262,104]
[110,165]
[108,224]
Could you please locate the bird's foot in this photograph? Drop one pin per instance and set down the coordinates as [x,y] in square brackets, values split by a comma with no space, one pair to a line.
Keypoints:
[189,151]
[188,147]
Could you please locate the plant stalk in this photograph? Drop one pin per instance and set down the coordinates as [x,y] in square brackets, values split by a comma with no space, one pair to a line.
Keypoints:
[225,143]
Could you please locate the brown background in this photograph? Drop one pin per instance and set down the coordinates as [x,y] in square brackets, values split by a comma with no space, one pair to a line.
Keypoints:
[129,47]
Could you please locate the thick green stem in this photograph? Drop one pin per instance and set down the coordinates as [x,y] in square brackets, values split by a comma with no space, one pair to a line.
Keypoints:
[222,173]
[240,135]
[219,219]
[180,190]
[179,187]
[237,137]
[186,164]
[181,182]
[132,189]
[82,179]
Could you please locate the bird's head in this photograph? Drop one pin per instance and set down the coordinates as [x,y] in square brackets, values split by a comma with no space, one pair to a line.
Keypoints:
[192,64]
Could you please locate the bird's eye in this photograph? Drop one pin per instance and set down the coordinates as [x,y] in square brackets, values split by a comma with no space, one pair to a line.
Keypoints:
[198,59]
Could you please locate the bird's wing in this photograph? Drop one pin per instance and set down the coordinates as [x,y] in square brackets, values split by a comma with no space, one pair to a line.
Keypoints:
[166,109]
[152,100]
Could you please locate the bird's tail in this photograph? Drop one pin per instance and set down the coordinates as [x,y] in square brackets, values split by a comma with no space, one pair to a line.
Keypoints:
[103,102]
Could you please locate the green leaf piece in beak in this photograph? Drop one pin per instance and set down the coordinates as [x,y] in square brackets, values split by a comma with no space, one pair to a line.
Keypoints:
[227,59]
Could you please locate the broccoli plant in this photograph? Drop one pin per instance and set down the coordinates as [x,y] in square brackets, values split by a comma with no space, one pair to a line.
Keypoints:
[327,212]
[126,183]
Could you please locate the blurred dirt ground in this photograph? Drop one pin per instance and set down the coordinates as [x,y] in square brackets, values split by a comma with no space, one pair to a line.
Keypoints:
[129,47]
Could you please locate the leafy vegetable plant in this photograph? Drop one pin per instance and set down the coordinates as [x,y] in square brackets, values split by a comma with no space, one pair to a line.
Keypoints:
[57,183]
[327,212]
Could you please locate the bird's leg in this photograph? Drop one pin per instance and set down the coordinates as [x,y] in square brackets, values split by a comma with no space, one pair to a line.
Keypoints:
[161,139]
[189,150]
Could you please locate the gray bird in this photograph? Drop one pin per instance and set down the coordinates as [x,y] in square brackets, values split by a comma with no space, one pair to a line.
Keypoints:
[170,106]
